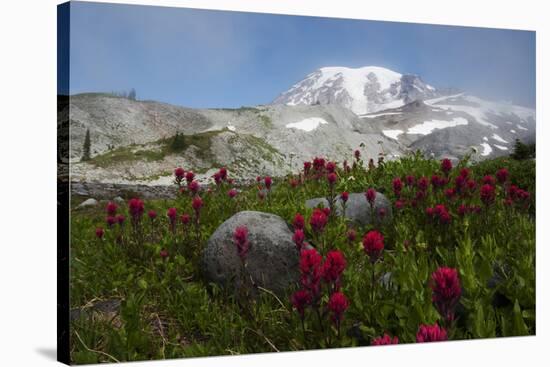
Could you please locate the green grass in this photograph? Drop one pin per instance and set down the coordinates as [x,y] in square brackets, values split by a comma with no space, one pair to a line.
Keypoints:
[169,311]
[163,147]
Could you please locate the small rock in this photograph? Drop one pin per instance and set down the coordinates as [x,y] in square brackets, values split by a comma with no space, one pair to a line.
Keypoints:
[358,209]
[272,261]
[88,203]
[118,200]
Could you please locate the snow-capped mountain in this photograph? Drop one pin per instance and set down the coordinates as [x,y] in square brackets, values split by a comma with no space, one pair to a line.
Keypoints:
[363,90]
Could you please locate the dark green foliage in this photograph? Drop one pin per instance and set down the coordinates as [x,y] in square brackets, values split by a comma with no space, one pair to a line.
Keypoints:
[178,143]
[86,147]
[523,151]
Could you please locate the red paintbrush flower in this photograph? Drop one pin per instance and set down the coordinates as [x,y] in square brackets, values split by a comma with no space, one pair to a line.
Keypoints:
[502,175]
[179,173]
[99,232]
[487,194]
[318,220]
[344,196]
[152,214]
[357,154]
[422,183]
[446,291]
[337,305]
[333,267]
[430,333]
[373,244]
[197,205]
[446,166]
[465,172]
[268,181]
[351,235]
[331,178]
[240,237]
[462,210]
[330,167]
[185,219]
[189,177]
[385,340]
[397,186]
[111,208]
[136,208]
[371,196]
[471,185]
[172,214]
[110,221]
[223,173]
[399,204]
[232,193]
[438,181]
[298,221]
[217,178]
[307,168]
[450,193]
[319,164]
[300,300]
[310,271]
[120,219]
[299,238]
[194,187]
[488,180]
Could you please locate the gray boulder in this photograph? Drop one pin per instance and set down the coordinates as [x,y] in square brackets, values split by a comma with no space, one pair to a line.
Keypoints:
[118,200]
[358,209]
[272,261]
[88,203]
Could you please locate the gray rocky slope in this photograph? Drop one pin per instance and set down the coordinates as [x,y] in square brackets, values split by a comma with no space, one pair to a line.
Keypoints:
[130,138]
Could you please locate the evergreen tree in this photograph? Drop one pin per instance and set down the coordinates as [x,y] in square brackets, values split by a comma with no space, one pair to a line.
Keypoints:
[523,151]
[87,147]
[178,143]
[132,94]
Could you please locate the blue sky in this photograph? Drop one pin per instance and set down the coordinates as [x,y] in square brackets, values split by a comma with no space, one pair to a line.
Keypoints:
[200,58]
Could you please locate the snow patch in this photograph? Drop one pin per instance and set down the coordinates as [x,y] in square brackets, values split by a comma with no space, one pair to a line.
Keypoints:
[486,149]
[513,131]
[499,139]
[500,147]
[428,126]
[521,127]
[485,138]
[308,124]
[381,114]
[392,133]
[231,127]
